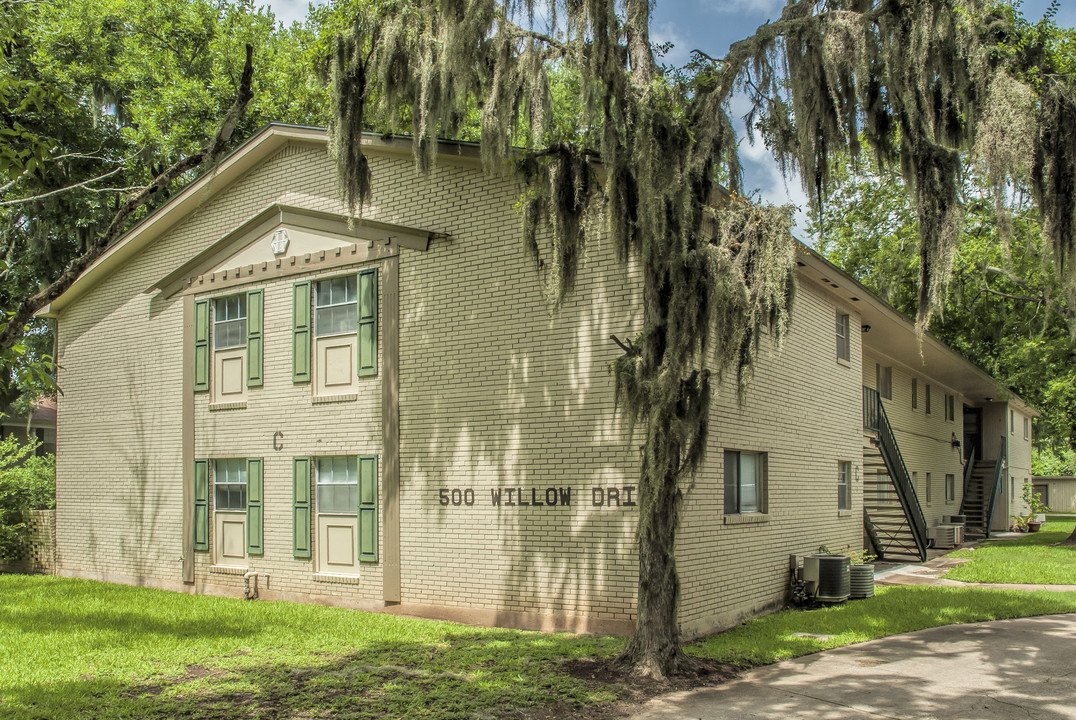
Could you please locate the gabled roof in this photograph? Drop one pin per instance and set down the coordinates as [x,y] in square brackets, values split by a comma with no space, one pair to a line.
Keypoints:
[890,332]
[260,147]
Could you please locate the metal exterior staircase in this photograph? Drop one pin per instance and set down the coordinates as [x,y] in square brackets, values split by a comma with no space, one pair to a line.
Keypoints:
[892,516]
[981,487]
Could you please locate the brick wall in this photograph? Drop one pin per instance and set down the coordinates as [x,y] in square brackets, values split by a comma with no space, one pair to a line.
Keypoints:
[41,558]
[497,393]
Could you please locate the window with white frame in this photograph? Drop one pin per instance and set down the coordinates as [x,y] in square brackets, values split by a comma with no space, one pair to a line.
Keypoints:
[844,485]
[230,484]
[230,322]
[950,407]
[338,484]
[915,393]
[745,482]
[335,302]
[929,483]
[1027,428]
[844,340]
[950,488]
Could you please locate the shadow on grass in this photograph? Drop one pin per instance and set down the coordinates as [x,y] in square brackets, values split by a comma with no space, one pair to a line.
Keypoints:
[991,670]
[97,608]
[485,674]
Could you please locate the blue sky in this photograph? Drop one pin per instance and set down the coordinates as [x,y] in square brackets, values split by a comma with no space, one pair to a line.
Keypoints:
[711,26]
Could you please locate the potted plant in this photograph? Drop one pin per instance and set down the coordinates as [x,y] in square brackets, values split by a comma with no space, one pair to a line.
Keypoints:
[1037,509]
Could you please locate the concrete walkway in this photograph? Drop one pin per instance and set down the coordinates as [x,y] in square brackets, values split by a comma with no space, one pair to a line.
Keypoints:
[1009,669]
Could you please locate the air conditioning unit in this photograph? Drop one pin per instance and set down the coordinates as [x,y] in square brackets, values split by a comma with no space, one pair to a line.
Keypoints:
[954,520]
[946,536]
[827,577]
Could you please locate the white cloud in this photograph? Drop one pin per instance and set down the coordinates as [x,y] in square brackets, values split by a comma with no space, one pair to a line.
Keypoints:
[748,7]
[288,11]
[666,32]
[762,173]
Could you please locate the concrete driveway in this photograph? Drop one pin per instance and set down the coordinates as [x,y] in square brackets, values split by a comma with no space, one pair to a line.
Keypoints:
[1011,669]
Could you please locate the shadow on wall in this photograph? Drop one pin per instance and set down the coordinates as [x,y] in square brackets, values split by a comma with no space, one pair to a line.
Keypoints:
[518,480]
[142,499]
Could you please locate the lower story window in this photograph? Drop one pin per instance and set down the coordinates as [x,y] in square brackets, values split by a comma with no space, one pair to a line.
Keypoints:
[950,488]
[237,515]
[745,482]
[346,502]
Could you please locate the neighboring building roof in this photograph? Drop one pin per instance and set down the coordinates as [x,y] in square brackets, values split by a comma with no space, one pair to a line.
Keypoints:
[890,332]
[43,415]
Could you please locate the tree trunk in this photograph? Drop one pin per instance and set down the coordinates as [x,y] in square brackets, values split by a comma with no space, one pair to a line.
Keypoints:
[654,650]
[1071,540]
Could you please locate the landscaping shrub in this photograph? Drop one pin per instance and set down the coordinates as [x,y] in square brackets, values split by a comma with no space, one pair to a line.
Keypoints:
[27,482]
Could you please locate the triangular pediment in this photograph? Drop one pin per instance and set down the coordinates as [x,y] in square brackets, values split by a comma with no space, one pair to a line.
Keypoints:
[284,240]
[289,237]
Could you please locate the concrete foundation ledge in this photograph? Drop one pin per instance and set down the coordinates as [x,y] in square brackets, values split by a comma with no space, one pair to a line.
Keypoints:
[541,622]
[226,586]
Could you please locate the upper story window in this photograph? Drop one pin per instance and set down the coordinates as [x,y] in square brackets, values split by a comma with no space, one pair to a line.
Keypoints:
[844,340]
[335,301]
[915,393]
[1012,422]
[1027,428]
[950,407]
[230,322]
[926,398]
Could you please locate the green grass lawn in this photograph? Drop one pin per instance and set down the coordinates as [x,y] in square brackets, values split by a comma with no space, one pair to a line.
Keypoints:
[83,649]
[76,648]
[893,609]
[1032,558]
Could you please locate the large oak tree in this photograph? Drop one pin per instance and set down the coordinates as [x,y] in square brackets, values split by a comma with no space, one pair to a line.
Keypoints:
[915,83]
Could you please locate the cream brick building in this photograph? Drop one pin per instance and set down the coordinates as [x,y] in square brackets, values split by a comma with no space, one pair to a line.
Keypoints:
[384,414]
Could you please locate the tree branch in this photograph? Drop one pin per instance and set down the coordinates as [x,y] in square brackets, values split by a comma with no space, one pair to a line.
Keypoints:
[42,196]
[209,155]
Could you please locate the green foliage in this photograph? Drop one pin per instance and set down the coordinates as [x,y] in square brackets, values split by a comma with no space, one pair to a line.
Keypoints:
[1005,310]
[1051,461]
[27,482]
[127,87]
[78,648]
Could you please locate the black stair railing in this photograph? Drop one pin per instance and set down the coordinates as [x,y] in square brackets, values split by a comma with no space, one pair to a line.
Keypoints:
[999,478]
[874,414]
[967,481]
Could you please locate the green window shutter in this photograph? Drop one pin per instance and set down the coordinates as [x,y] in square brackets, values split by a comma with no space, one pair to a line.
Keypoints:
[368,322]
[201,345]
[254,337]
[300,331]
[255,511]
[368,508]
[201,504]
[300,493]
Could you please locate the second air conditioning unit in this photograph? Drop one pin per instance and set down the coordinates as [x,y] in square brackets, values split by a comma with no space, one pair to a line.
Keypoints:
[946,536]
